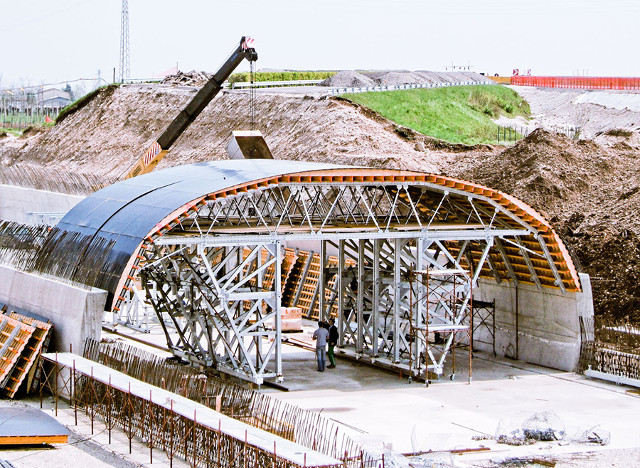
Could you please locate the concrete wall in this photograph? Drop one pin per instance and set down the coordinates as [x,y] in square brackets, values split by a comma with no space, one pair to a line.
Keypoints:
[75,312]
[547,322]
[17,202]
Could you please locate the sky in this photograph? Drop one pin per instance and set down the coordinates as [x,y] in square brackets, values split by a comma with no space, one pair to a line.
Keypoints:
[51,41]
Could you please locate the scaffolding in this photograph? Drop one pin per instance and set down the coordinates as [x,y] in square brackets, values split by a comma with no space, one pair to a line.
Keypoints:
[441,303]
[483,322]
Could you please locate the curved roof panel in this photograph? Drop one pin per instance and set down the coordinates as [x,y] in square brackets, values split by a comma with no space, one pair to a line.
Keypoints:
[122,214]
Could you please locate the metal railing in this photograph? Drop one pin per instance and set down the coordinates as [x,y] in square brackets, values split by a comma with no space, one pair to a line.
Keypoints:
[367,89]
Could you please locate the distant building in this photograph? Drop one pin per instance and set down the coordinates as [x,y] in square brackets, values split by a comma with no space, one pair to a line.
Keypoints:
[53,99]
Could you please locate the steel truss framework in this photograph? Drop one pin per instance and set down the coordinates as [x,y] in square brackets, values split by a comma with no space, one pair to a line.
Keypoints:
[201,280]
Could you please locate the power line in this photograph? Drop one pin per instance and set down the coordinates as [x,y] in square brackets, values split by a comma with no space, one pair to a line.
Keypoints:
[19,24]
[125,71]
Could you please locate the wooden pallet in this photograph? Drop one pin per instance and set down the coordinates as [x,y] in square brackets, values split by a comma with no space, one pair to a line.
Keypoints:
[14,336]
[27,363]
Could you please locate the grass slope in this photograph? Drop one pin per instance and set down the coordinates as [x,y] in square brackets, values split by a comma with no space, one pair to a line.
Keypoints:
[459,114]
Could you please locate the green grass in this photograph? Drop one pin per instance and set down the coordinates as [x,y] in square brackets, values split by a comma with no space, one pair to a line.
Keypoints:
[458,114]
[12,131]
[281,76]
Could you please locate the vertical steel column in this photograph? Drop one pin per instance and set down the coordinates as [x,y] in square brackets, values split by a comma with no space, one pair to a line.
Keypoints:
[262,309]
[375,316]
[360,298]
[321,281]
[278,306]
[416,347]
[397,262]
[340,285]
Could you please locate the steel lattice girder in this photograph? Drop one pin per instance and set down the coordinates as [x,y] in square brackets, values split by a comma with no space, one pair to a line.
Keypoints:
[380,307]
[377,225]
[215,299]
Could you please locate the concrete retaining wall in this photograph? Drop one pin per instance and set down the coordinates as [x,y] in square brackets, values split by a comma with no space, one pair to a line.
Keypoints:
[17,202]
[546,320]
[75,312]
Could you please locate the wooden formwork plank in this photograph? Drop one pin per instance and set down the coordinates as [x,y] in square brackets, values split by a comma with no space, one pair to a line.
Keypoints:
[14,336]
[27,362]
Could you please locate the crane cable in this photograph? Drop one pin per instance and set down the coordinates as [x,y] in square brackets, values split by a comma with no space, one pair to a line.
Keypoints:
[252,95]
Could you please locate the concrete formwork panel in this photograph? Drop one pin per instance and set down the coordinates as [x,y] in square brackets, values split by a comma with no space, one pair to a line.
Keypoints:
[75,312]
[539,326]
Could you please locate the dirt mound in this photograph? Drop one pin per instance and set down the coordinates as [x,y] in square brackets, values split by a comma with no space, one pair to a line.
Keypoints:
[591,195]
[192,78]
[399,77]
[547,169]
[348,79]
[111,131]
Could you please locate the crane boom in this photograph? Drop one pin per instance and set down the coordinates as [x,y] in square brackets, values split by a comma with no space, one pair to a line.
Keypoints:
[161,146]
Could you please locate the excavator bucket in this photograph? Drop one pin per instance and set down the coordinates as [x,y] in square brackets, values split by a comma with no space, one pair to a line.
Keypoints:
[248,144]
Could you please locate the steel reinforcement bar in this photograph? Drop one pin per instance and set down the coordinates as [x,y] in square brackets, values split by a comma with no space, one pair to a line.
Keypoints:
[167,421]
[257,409]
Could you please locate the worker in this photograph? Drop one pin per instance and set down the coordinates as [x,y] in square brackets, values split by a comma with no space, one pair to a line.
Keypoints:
[333,341]
[320,336]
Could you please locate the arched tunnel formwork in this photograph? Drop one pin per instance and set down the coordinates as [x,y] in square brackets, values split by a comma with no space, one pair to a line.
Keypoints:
[206,243]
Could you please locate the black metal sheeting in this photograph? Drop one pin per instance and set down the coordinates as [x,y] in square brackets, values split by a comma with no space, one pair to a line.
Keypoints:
[123,214]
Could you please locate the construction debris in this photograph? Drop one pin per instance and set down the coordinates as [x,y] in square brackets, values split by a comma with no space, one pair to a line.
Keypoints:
[545,426]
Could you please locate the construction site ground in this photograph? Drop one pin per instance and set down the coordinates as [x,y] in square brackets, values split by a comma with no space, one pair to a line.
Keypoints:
[386,412]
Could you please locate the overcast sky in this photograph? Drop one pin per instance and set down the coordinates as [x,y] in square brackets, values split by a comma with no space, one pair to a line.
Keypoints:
[47,41]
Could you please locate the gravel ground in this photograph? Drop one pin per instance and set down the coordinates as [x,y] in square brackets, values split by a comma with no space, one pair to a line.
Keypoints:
[594,112]
[349,78]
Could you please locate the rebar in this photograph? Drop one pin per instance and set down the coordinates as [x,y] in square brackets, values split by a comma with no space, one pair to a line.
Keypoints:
[20,243]
[249,406]
[53,180]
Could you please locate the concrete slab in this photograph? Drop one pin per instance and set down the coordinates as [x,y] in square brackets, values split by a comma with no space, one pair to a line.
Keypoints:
[381,408]
[32,206]
[75,312]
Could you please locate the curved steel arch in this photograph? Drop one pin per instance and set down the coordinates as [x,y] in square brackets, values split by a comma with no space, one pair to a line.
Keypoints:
[208,232]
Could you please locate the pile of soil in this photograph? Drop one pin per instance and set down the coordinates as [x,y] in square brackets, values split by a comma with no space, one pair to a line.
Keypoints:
[114,129]
[192,78]
[593,112]
[394,77]
[590,193]
[349,79]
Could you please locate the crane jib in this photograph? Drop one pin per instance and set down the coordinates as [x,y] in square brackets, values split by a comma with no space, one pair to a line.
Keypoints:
[187,115]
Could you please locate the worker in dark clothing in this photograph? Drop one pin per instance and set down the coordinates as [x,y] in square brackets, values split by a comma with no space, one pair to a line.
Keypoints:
[333,341]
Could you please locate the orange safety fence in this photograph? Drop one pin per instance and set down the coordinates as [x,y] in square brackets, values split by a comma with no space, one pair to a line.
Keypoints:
[577,82]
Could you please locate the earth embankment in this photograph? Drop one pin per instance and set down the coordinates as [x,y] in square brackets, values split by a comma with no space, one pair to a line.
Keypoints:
[108,134]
